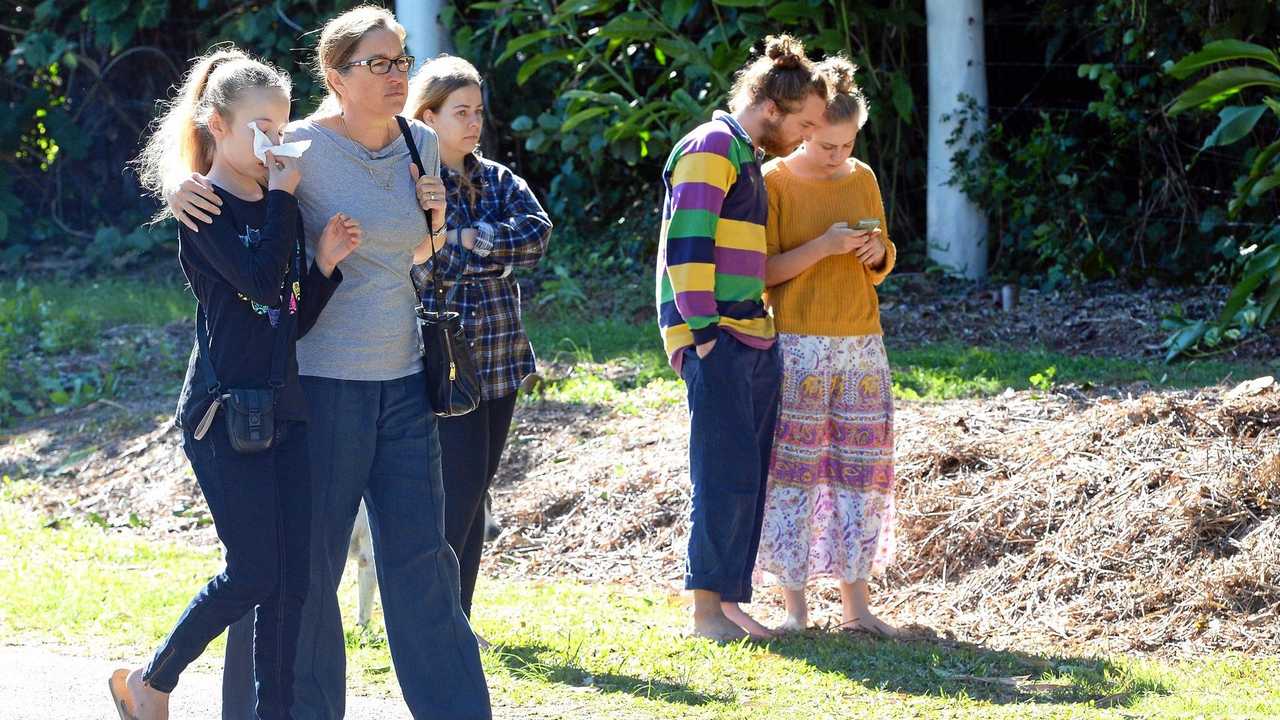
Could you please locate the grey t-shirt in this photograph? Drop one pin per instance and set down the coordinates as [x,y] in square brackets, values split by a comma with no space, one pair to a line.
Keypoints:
[368,330]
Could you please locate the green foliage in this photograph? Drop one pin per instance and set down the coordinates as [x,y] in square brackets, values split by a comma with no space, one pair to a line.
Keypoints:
[1043,193]
[1043,380]
[594,93]
[82,80]
[564,291]
[585,98]
[1252,303]
[51,353]
[1236,122]
[1108,192]
[32,330]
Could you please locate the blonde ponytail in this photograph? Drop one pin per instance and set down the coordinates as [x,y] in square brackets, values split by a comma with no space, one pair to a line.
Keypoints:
[180,142]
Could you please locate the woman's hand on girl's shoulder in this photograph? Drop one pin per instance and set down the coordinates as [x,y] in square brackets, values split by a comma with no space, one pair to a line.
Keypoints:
[194,200]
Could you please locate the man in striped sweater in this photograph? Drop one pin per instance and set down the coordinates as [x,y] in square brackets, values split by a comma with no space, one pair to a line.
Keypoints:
[710,285]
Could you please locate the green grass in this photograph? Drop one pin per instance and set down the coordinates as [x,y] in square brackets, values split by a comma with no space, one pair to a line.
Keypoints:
[71,582]
[48,328]
[937,371]
[105,302]
[614,362]
[942,371]
[577,650]
[604,341]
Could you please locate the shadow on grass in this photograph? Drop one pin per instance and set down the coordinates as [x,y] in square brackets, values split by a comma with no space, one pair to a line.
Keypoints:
[947,668]
[545,664]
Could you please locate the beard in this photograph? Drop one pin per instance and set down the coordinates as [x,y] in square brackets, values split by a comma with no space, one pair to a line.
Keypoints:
[773,141]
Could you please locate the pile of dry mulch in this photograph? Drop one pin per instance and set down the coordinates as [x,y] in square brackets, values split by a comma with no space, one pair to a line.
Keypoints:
[1110,521]
[119,465]
[1134,522]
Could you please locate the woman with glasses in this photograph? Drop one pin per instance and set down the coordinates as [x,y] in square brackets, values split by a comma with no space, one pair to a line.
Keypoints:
[372,435]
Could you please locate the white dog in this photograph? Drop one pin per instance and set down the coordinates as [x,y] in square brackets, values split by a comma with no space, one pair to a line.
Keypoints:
[361,550]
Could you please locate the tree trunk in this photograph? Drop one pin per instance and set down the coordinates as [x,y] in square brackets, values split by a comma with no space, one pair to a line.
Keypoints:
[427,37]
[956,227]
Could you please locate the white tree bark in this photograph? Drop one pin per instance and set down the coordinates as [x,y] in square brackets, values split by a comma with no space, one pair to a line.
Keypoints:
[956,227]
[421,21]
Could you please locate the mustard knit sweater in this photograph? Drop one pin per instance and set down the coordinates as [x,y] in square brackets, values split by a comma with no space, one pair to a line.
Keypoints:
[837,295]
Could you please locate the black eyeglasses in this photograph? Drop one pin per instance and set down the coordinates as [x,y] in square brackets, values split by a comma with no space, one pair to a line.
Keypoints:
[382,66]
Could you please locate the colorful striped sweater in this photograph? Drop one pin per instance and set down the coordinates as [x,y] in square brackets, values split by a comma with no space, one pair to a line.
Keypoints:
[712,250]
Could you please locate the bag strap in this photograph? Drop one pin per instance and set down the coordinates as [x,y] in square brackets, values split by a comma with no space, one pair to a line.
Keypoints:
[437,287]
[202,339]
[284,333]
[279,348]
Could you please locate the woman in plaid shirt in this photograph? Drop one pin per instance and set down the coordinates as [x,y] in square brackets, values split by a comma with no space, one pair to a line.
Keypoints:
[495,225]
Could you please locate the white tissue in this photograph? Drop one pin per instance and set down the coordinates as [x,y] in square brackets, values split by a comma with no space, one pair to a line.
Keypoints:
[261,144]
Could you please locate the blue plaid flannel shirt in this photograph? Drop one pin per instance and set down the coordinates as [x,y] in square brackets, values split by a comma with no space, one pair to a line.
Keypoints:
[483,289]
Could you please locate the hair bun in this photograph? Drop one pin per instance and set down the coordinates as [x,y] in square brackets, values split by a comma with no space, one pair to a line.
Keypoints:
[840,74]
[786,52]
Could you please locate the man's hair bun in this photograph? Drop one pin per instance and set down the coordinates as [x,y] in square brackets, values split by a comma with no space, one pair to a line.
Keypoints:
[786,52]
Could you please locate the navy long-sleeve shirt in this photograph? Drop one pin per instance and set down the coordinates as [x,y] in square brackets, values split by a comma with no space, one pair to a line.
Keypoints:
[250,274]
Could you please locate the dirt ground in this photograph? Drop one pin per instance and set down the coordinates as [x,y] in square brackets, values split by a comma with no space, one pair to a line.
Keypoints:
[1112,519]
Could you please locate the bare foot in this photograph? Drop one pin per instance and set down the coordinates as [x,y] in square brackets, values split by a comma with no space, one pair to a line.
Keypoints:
[736,614]
[792,625]
[135,700]
[871,624]
[717,627]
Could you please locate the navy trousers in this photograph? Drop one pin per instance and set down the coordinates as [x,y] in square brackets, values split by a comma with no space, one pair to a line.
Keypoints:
[733,407]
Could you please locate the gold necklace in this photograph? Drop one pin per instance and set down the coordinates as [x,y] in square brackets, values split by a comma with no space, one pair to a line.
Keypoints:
[390,177]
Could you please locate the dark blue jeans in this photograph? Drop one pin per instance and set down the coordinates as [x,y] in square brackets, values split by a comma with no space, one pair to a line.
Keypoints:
[261,507]
[472,446]
[733,407]
[377,440]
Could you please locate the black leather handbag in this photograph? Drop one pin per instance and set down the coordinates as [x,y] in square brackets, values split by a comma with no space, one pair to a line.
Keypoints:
[250,412]
[453,383]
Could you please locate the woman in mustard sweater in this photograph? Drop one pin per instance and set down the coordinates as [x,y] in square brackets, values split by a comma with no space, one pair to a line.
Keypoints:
[829,510]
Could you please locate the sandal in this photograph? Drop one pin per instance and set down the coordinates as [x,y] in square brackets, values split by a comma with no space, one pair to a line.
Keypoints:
[118,684]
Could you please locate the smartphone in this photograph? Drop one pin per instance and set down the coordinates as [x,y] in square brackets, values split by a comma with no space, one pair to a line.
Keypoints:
[867,224]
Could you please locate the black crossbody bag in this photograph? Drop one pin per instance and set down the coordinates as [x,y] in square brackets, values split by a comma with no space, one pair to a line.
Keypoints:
[250,412]
[453,383]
